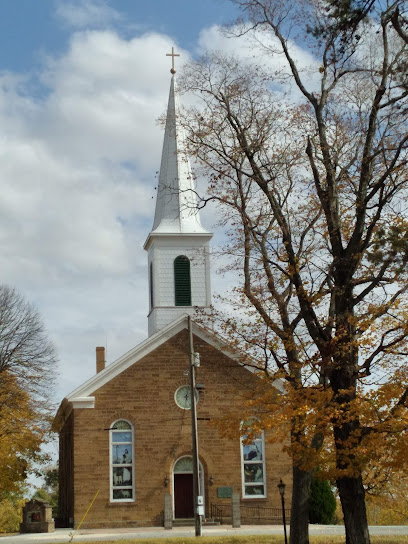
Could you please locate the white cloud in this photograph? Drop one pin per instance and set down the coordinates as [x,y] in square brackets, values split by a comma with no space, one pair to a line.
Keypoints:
[77,177]
[86,13]
[263,49]
[105,92]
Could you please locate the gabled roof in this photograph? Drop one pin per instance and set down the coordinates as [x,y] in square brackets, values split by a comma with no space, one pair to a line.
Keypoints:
[82,396]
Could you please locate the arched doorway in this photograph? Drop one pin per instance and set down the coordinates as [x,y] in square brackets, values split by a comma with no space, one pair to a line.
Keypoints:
[183,498]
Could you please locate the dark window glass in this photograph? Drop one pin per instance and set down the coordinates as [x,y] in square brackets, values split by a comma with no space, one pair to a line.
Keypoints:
[151,285]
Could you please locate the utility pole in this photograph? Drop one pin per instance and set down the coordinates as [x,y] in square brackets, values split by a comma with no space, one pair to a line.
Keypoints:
[198,500]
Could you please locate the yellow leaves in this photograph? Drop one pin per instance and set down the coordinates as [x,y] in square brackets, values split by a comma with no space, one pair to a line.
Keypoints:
[20,435]
[10,515]
[387,502]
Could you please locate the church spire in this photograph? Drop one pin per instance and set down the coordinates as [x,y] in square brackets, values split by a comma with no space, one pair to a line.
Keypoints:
[178,245]
[176,204]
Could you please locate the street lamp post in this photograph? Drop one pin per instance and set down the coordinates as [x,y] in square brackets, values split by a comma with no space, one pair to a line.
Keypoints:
[281,487]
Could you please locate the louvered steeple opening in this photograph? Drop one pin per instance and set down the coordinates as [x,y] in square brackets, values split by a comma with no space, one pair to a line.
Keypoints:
[182,281]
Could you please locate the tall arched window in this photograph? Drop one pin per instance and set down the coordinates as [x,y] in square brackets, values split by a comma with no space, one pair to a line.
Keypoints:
[122,463]
[182,281]
[253,465]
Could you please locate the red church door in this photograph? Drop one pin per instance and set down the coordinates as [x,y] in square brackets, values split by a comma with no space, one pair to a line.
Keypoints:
[183,496]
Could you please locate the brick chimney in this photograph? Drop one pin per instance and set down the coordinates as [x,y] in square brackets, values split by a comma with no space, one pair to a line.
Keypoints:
[100,359]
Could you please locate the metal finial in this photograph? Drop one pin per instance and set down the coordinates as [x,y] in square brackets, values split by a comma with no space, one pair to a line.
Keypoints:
[172,55]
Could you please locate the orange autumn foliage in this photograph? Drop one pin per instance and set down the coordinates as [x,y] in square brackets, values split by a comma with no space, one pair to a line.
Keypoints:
[312,189]
[20,434]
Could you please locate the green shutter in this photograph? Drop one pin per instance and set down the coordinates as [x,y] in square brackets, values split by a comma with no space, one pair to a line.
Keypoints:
[151,286]
[182,282]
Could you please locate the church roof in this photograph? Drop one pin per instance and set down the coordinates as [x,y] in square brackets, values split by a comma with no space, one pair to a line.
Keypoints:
[176,203]
[82,396]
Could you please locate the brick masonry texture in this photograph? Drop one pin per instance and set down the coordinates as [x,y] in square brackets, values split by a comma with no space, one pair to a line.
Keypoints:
[144,395]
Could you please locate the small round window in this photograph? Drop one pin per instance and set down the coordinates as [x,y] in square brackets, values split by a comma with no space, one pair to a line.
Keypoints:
[183,397]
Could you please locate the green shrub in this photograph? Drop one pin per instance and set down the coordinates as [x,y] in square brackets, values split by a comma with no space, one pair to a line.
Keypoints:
[322,504]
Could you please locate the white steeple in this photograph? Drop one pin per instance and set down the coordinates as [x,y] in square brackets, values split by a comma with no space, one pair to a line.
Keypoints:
[176,204]
[178,245]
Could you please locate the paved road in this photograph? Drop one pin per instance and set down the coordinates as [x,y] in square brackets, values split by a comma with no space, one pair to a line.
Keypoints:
[86,535]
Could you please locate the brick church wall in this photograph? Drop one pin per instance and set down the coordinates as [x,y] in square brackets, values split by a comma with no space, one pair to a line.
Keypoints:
[66,474]
[144,395]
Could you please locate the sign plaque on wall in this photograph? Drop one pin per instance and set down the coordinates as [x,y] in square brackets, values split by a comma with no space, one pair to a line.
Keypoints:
[224,492]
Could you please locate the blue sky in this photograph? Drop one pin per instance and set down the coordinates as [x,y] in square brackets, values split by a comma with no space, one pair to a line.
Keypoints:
[31,28]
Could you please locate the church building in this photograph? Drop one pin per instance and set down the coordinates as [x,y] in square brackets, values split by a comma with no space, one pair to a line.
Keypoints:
[125,435]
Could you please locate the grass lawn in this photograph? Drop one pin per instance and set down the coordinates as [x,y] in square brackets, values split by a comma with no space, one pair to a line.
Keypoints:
[253,539]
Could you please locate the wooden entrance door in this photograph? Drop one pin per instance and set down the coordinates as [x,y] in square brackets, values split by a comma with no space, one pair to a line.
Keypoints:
[183,496]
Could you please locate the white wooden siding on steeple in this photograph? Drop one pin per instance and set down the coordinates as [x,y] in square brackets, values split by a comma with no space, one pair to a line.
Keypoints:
[177,229]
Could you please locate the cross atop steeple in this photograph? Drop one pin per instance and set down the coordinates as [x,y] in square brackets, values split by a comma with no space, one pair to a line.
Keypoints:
[172,55]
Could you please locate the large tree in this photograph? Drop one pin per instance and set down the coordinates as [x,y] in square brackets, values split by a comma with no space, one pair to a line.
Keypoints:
[27,373]
[345,17]
[316,194]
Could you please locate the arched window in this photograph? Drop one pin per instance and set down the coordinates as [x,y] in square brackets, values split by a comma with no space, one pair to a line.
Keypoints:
[122,463]
[182,281]
[253,466]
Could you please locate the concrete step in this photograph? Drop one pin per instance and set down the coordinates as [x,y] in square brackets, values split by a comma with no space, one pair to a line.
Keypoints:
[189,522]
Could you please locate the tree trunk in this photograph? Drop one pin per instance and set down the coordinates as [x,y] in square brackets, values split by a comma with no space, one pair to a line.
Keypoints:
[299,520]
[352,499]
[346,423]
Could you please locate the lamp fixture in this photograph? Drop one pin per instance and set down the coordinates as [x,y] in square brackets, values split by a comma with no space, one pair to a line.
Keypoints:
[281,487]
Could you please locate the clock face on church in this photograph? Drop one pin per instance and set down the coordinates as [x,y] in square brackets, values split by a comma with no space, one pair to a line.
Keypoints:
[183,397]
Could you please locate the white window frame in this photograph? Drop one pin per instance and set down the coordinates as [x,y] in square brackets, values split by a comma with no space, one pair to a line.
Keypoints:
[131,446]
[245,485]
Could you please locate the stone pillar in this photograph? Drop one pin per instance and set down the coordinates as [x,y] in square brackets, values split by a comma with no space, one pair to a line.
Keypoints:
[236,510]
[48,513]
[168,512]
